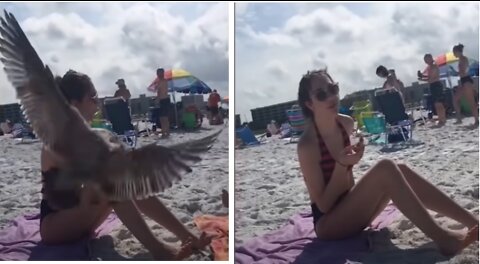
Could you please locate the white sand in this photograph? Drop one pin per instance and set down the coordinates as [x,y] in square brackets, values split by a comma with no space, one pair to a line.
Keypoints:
[269,189]
[198,193]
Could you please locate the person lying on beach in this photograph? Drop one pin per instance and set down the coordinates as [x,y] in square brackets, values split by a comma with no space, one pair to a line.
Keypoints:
[67,225]
[391,82]
[342,208]
[436,87]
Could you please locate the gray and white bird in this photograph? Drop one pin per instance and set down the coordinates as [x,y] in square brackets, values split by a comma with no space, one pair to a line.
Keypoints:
[89,156]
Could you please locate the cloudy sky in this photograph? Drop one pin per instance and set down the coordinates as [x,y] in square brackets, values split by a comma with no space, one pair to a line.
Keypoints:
[109,41]
[276,43]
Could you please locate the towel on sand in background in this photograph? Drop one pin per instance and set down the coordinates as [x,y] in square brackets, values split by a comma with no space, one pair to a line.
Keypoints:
[216,226]
[21,241]
[296,242]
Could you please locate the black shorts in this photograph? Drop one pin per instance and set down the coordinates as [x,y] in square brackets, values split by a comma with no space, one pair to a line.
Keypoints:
[438,95]
[213,110]
[466,79]
[164,109]
[317,214]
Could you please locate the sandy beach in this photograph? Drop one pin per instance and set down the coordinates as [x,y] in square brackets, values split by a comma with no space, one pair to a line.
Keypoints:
[198,193]
[269,189]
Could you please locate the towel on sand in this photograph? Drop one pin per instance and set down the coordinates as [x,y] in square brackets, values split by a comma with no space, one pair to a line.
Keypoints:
[296,242]
[21,241]
[217,227]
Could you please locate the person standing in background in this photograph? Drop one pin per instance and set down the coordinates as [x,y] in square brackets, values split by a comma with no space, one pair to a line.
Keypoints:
[163,99]
[213,101]
[122,90]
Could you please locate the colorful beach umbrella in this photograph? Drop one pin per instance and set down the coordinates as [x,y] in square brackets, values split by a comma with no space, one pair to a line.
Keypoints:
[445,59]
[182,78]
[442,61]
[448,66]
[182,81]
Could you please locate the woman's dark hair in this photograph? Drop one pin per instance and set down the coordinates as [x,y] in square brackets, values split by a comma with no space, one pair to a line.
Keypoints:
[427,55]
[304,89]
[382,71]
[74,85]
[458,48]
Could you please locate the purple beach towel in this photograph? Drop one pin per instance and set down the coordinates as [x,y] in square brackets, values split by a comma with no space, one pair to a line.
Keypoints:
[21,241]
[296,242]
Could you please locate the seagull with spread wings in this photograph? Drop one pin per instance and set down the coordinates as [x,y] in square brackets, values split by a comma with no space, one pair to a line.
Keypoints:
[89,156]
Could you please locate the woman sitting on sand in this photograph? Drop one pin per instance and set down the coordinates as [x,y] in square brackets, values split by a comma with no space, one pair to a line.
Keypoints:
[342,208]
[57,227]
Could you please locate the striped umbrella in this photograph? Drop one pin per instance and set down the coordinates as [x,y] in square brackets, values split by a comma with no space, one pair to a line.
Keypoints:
[180,81]
[448,66]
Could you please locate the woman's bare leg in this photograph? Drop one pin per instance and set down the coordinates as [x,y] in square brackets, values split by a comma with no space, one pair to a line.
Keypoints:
[470,97]
[434,199]
[157,211]
[57,228]
[385,179]
[456,104]
[132,219]
[440,113]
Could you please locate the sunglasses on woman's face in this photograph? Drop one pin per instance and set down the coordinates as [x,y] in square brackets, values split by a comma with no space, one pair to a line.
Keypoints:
[94,97]
[322,94]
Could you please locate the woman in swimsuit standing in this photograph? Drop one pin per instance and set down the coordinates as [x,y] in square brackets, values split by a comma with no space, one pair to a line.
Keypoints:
[341,207]
[466,89]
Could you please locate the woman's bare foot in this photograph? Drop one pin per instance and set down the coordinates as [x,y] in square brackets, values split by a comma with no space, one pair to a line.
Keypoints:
[198,243]
[170,253]
[185,251]
[455,242]
[165,253]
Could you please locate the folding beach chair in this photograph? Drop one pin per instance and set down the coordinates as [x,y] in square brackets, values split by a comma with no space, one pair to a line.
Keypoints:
[357,108]
[247,136]
[399,126]
[375,127]
[297,122]
[118,113]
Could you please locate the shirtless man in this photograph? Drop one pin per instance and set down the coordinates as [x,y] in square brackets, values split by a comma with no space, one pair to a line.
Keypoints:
[466,89]
[122,90]
[391,82]
[436,87]
[163,100]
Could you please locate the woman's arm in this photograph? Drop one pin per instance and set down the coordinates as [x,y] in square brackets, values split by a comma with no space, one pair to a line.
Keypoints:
[347,122]
[323,196]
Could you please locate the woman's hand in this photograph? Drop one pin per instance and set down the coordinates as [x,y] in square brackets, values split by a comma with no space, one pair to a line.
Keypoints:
[352,154]
[419,75]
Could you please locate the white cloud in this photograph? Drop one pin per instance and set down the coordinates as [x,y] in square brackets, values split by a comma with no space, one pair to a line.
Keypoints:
[241,8]
[352,40]
[108,41]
